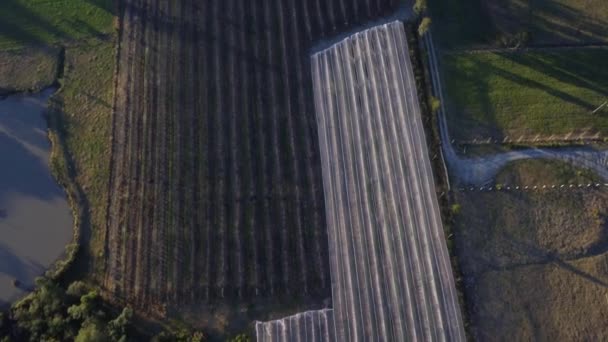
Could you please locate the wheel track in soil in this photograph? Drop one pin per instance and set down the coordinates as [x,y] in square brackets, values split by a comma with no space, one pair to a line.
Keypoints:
[120,129]
[246,131]
[132,158]
[195,132]
[142,261]
[129,230]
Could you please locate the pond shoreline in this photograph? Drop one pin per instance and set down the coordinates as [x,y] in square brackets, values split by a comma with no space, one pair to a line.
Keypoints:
[32,197]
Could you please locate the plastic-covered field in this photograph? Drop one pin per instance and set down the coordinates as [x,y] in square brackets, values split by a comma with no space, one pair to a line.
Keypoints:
[390,269]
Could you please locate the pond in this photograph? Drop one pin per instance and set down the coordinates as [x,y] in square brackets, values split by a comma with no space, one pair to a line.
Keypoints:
[35,219]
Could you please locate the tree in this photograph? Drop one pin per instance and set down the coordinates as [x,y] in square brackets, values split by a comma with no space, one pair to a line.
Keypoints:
[92,331]
[117,328]
[240,338]
[84,310]
[425,25]
[77,289]
[435,104]
[420,6]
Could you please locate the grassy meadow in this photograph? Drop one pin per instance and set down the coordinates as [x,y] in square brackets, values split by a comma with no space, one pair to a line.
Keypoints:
[475,23]
[44,22]
[537,92]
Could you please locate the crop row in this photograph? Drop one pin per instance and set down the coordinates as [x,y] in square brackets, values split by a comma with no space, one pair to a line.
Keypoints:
[216,188]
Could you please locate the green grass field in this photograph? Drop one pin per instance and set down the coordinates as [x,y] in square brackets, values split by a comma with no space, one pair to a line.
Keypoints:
[44,22]
[513,94]
[468,23]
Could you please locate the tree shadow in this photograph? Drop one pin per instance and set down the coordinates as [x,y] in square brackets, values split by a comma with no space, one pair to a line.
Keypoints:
[17,268]
[548,22]
[531,83]
[15,19]
[569,66]
[465,126]
[106,5]
[542,256]
[473,76]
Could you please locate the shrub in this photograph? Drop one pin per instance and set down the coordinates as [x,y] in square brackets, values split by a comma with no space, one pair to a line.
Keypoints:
[456,208]
[420,6]
[435,104]
[425,25]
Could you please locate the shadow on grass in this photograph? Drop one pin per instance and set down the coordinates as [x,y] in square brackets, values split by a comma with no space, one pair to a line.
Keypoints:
[548,22]
[469,84]
[475,22]
[549,257]
[462,125]
[583,68]
[106,5]
[15,19]
[20,24]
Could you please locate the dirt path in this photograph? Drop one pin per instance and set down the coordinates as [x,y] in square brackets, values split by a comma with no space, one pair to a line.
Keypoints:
[482,170]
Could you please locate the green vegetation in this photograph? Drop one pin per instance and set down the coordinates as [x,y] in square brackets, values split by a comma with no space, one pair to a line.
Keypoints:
[460,23]
[52,314]
[425,25]
[420,6]
[83,110]
[512,94]
[470,23]
[44,22]
[37,69]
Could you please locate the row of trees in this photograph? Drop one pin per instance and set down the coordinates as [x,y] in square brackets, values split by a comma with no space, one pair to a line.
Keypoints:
[79,314]
[420,8]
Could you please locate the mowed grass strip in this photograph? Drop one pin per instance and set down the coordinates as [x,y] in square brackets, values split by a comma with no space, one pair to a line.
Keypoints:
[513,94]
[470,23]
[45,22]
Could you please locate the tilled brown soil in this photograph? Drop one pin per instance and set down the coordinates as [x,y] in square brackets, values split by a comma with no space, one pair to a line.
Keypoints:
[216,188]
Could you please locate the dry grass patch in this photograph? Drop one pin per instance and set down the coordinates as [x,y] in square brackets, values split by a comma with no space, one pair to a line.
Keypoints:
[534,263]
[27,69]
[564,301]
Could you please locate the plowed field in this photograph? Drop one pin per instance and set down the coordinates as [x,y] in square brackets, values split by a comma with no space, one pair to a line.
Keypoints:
[216,187]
